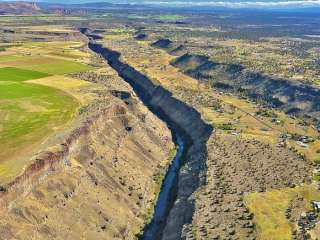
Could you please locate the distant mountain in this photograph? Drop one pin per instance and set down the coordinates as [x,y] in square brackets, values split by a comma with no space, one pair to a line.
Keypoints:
[212,3]
[73,7]
[290,5]
[18,8]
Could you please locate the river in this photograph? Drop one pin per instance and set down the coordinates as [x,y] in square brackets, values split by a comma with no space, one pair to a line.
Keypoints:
[153,230]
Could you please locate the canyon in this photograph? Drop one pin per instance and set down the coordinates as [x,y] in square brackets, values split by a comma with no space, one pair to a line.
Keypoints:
[179,129]
[206,183]
[93,180]
[185,122]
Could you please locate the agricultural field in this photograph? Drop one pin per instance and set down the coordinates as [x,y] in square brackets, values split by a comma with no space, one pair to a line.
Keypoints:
[13,74]
[37,98]
[29,19]
[48,63]
[29,113]
[164,17]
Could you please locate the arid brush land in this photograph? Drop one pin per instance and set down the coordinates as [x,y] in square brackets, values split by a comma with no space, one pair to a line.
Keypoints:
[149,122]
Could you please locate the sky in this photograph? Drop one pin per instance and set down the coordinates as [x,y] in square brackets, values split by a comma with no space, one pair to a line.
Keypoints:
[217,3]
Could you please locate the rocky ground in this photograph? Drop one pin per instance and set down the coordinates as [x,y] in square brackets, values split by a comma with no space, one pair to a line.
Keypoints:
[237,167]
[102,177]
[101,180]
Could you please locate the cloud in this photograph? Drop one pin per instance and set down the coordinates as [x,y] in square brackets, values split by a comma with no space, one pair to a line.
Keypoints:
[242,4]
[212,3]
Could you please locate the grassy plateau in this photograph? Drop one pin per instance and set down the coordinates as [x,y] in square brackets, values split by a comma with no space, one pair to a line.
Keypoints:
[36,99]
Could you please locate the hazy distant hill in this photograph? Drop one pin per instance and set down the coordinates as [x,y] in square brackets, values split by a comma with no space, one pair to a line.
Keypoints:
[216,3]
[71,7]
[68,4]
[18,8]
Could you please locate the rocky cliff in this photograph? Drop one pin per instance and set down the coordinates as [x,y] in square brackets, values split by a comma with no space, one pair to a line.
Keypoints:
[100,181]
[294,97]
[184,121]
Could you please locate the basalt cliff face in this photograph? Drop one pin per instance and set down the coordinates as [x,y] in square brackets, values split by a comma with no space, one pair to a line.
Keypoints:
[178,114]
[294,97]
[218,172]
[184,121]
[98,182]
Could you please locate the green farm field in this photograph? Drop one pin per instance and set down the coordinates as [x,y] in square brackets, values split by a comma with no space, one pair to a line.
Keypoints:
[29,113]
[44,64]
[16,74]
